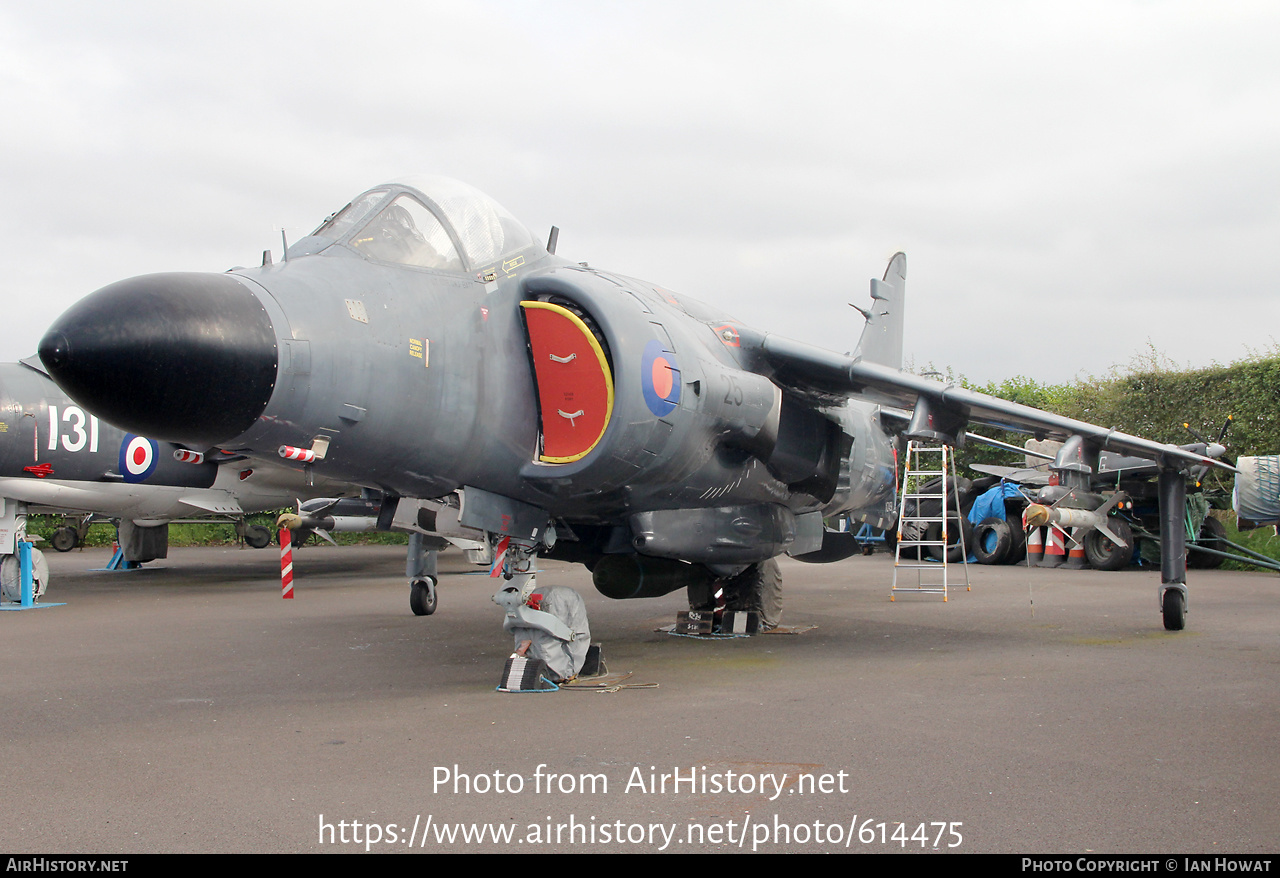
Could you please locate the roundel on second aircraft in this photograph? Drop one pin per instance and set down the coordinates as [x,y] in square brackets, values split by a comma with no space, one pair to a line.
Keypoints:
[138,457]
[659,378]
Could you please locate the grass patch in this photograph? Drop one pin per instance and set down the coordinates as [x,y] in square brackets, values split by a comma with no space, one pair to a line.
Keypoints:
[202,533]
[1262,540]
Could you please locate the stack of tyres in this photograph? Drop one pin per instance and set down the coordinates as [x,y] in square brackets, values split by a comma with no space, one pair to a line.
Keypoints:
[960,491]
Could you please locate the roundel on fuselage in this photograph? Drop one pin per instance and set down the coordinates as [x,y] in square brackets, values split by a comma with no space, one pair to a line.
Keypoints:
[660,379]
[138,457]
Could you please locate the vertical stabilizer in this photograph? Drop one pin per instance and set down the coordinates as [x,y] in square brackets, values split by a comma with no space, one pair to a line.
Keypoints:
[881,340]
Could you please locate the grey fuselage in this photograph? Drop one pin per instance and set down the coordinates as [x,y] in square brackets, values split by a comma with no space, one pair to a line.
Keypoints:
[465,413]
[417,380]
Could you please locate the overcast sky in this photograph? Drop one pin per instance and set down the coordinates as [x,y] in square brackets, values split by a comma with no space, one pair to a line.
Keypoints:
[1074,184]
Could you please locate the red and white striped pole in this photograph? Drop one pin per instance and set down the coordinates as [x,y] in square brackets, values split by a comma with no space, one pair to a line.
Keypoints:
[286,564]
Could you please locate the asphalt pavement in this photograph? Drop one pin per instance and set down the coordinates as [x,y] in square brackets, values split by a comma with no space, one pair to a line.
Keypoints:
[186,707]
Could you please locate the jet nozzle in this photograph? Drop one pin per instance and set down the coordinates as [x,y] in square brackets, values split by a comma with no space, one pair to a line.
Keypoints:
[187,358]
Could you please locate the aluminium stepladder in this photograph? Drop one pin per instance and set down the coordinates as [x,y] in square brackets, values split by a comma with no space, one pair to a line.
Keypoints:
[923,522]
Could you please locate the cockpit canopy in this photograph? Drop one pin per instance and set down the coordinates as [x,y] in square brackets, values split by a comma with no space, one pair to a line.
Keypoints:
[427,222]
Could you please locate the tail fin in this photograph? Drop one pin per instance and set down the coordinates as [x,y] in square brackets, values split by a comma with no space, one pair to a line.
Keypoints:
[881,340]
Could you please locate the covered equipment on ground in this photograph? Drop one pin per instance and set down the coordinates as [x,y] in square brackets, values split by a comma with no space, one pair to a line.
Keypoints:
[553,619]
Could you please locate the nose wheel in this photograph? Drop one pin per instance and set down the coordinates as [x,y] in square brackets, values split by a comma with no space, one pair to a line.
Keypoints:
[422,596]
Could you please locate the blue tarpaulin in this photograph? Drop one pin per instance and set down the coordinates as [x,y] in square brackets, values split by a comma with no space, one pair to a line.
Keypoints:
[991,502]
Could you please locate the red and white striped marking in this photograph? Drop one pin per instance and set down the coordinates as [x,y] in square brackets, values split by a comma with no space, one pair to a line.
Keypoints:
[499,557]
[1035,547]
[185,455]
[1055,547]
[1076,558]
[286,565]
[291,452]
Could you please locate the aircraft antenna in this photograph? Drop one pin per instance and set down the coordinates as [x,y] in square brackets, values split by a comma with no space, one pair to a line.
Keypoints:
[284,244]
[552,239]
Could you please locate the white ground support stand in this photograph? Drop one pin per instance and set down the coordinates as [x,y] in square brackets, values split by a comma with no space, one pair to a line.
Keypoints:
[914,524]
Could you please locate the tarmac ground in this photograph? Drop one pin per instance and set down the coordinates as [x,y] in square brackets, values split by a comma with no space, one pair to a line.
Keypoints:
[185,707]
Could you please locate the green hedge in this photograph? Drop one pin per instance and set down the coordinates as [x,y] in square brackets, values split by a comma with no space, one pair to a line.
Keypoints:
[1153,399]
[205,533]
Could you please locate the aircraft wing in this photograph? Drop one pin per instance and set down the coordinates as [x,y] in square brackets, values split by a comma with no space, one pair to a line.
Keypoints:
[1021,475]
[945,408]
[217,502]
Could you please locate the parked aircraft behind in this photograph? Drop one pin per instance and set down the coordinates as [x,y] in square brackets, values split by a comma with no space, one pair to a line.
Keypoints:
[421,342]
[1256,497]
[1121,493]
[56,457]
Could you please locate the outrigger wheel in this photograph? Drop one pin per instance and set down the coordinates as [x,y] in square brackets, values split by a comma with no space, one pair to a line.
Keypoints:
[422,596]
[1173,606]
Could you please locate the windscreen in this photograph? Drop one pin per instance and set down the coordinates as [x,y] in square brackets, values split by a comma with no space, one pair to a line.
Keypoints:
[350,216]
[486,230]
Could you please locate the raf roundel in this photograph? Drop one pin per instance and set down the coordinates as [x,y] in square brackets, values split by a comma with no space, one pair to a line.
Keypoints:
[138,457]
[660,379]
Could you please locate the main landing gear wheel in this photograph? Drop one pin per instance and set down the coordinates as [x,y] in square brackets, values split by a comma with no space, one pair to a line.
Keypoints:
[422,596]
[257,537]
[65,539]
[1174,608]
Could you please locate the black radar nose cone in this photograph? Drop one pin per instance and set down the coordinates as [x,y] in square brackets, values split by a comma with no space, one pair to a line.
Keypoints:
[53,349]
[180,357]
